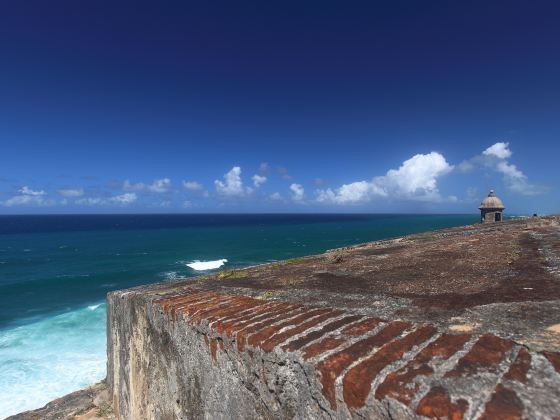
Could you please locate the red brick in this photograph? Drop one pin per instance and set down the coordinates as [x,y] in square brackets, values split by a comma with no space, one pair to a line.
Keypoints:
[264,334]
[223,324]
[234,305]
[165,301]
[259,313]
[195,297]
[192,309]
[314,335]
[214,349]
[437,405]
[485,355]
[279,338]
[183,303]
[239,307]
[217,322]
[322,346]
[362,327]
[504,405]
[279,313]
[357,381]
[228,313]
[553,358]
[169,304]
[397,385]
[241,336]
[331,367]
[519,368]
[203,313]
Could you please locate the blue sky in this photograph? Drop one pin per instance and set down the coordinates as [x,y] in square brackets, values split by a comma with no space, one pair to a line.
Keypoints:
[399,106]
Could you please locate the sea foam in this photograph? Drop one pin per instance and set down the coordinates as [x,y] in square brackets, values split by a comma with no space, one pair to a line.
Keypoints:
[50,358]
[206,265]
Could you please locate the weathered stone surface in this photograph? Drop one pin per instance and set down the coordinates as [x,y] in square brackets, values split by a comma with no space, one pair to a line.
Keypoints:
[86,404]
[399,385]
[504,404]
[438,405]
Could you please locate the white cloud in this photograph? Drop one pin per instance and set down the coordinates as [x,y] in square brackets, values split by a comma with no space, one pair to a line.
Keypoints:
[160,186]
[232,185]
[192,186]
[298,193]
[471,194]
[349,193]
[264,169]
[90,201]
[415,179]
[71,192]
[124,199]
[29,197]
[187,204]
[499,150]
[25,190]
[467,166]
[258,180]
[496,158]
[510,170]
[128,186]
[284,172]
[517,181]
[275,196]
[28,200]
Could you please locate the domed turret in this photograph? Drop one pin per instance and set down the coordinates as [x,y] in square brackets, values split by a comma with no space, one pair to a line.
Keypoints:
[491,208]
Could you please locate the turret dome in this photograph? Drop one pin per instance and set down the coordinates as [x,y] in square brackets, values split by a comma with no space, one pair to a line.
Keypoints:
[492,202]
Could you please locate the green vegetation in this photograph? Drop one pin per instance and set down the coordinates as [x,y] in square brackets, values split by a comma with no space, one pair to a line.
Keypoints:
[104,411]
[514,253]
[295,260]
[293,281]
[231,274]
[267,295]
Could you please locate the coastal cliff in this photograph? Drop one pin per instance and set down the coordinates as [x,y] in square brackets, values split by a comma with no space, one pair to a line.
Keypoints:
[459,323]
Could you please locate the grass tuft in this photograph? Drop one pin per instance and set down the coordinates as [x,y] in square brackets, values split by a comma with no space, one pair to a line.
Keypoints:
[269,294]
[104,411]
[295,260]
[293,281]
[514,253]
[231,274]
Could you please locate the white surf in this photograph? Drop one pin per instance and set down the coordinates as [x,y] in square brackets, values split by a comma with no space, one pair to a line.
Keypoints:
[206,265]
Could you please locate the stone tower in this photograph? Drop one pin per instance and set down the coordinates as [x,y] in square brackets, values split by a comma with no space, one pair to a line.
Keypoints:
[491,209]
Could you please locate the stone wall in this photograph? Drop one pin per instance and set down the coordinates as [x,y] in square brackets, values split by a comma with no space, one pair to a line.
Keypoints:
[178,352]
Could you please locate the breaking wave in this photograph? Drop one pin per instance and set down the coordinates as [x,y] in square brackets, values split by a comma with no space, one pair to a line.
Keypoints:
[206,265]
[50,358]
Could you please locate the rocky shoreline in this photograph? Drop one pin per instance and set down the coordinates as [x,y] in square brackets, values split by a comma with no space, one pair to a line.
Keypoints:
[85,404]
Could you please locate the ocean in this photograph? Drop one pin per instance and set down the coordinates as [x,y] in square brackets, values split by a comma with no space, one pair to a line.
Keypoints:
[56,270]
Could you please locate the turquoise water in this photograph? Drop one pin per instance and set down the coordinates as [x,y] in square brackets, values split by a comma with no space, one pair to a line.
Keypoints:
[56,270]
